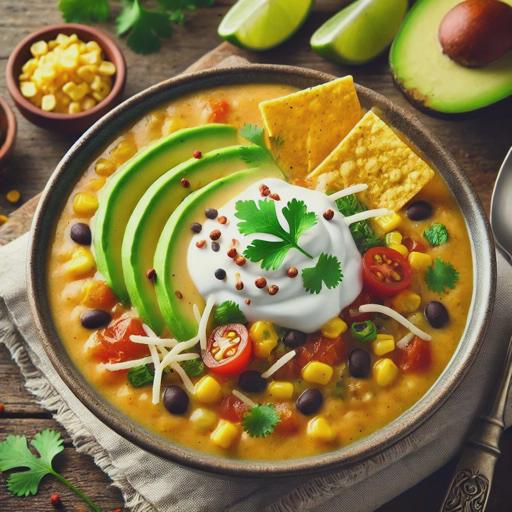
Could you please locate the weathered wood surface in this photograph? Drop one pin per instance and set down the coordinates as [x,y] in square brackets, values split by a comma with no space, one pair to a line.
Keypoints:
[479,142]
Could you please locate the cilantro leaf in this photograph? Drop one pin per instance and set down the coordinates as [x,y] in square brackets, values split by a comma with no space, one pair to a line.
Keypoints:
[327,270]
[228,312]
[261,217]
[362,233]
[435,235]
[441,276]
[256,135]
[141,375]
[193,367]
[84,12]
[261,420]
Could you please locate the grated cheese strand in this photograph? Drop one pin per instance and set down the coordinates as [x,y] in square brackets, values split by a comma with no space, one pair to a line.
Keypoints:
[189,386]
[353,189]
[368,214]
[384,310]
[245,399]
[197,315]
[210,304]
[126,365]
[149,340]
[403,342]
[279,364]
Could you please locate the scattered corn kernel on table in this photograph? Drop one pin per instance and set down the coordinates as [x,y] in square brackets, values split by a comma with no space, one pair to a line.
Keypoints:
[479,142]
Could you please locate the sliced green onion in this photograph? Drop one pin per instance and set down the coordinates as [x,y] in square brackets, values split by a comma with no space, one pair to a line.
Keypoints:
[364,331]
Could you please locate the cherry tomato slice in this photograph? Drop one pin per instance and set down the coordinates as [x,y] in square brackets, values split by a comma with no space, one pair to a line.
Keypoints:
[416,357]
[232,409]
[229,350]
[385,271]
[289,420]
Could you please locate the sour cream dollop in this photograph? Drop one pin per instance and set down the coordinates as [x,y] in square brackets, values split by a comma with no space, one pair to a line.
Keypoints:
[292,306]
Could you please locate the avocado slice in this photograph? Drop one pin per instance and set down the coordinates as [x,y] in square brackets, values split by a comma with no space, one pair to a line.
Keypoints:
[155,207]
[430,78]
[175,290]
[125,188]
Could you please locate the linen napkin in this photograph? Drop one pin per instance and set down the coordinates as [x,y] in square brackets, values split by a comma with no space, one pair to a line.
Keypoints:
[149,483]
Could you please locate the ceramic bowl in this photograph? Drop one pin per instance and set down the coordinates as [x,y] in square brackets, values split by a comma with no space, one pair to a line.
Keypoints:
[90,144]
[8,129]
[69,123]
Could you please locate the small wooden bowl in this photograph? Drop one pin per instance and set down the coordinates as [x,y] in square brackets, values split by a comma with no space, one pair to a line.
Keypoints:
[8,128]
[56,121]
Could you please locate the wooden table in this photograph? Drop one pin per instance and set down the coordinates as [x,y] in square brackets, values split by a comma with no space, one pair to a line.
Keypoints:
[479,142]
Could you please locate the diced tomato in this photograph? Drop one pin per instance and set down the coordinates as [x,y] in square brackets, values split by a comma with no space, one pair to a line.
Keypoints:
[219,110]
[98,295]
[416,357]
[232,409]
[112,344]
[351,313]
[413,244]
[289,419]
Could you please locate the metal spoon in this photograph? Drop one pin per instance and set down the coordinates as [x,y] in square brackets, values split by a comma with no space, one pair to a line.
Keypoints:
[471,483]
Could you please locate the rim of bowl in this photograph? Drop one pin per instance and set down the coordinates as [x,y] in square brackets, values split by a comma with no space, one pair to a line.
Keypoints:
[7,143]
[109,47]
[482,249]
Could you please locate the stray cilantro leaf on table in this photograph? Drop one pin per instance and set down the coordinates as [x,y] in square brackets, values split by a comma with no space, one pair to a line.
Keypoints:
[436,235]
[261,217]
[15,454]
[80,11]
[441,276]
[228,312]
[261,420]
[327,270]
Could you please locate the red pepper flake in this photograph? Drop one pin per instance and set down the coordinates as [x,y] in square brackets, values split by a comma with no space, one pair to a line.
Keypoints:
[200,244]
[239,284]
[275,197]
[184,183]
[151,274]
[328,214]
[292,272]
[55,500]
[264,190]
[273,289]
[215,234]
[178,294]
[232,253]
[248,301]
[197,154]
[261,282]
[240,260]
[2,408]
[222,219]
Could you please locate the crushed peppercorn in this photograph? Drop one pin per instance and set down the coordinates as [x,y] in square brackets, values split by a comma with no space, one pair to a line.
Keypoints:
[328,214]
[215,234]
[197,154]
[184,183]
[151,274]
[261,282]
[273,289]
[292,272]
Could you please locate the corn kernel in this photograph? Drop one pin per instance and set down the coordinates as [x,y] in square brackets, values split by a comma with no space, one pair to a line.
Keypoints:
[420,261]
[88,103]
[28,89]
[87,73]
[280,390]
[383,344]
[203,419]
[385,372]
[393,238]
[104,167]
[62,40]
[74,108]
[30,66]
[317,373]
[92,57]
[97,294]
[406,302]
[48,102]
[124,150]
[93,46]
[402,249]
[225,434]
[264,338]
[39,48]
[3,219]
[387,223]
[107,68]
[334,327]
[97,184]
[85,204]
[320,429]
[207,390]
[81,263]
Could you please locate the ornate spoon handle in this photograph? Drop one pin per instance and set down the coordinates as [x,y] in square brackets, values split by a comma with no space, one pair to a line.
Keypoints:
[471,483]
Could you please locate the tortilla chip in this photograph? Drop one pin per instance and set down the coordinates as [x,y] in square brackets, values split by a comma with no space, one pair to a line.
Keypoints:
[304,127]
[374,154]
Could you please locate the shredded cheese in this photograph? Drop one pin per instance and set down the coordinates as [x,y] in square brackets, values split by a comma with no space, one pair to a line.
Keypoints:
[210,304]
[384,310]
[403,342]
[126,365]
[353,189]
[189,386]
[150,340]
[197,315]
[279,364]
[368,214]
[245,399]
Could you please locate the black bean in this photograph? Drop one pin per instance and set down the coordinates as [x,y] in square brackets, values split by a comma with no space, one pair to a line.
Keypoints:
[211,213]
[419,210]
[294,339]
[436,314]
[359,363]
[310,401]
[175,400]
[220,274]
[81,233]
[196,227]
[252,381]
[95,318]
[215,246]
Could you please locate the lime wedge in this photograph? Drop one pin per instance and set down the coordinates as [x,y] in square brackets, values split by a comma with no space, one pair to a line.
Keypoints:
[263,24]
[360,31]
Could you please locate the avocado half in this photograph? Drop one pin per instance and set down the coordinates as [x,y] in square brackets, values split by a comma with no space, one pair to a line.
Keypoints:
[156,206]
[175,290]
[430,78]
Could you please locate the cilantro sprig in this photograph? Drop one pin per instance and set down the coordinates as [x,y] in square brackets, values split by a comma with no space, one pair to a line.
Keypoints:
[260,420]
[84,12]
[441,276]
[256,135]
[436,235]
[141,375]
[15,454]
[193,367]
[327,270]
[228,312]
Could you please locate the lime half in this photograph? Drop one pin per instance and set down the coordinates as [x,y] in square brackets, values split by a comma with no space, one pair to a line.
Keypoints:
[263,24]
[360,31]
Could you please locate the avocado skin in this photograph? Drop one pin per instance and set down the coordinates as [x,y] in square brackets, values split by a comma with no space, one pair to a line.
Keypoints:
[176,236]
[125,187]
[431,80]
[156,206]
